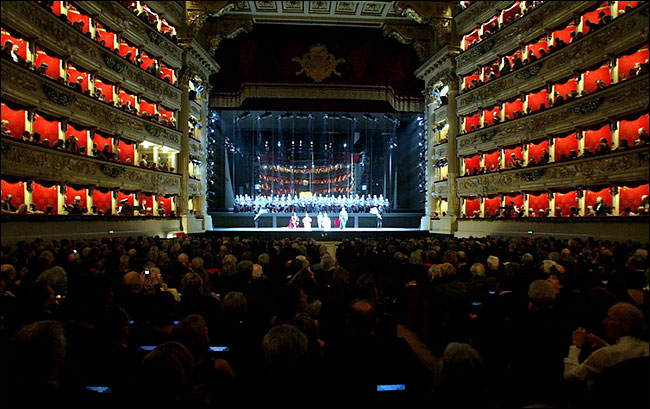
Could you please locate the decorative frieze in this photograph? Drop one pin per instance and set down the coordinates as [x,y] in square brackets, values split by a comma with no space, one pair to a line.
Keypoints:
[440,188]
[440,67]
[617,37]
[24,86]
[629,96]
[621,166]
[33,161]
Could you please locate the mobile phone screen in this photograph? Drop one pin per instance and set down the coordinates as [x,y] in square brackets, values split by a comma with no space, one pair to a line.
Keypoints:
[219,349]
[99,389]
[393,387]
[147,347]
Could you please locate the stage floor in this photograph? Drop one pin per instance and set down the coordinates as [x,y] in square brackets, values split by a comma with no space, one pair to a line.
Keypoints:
[287,230]
[318,234]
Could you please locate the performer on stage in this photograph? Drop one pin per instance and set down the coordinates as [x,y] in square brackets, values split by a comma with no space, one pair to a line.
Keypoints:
[378,211]
[294,222]
[319,219]
[343,217]
[306,222]
[327,223]
[260,212]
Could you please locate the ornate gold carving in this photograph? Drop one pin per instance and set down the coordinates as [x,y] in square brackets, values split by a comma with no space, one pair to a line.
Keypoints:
[112,171]
[113,63]
[421,38]
[58,97]
[318,63]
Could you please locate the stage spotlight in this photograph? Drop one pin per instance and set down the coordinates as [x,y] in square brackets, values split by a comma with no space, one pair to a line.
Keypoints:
[348,117]
[302,115]
[286,115]
[369,117]
[243,115]
[265,115]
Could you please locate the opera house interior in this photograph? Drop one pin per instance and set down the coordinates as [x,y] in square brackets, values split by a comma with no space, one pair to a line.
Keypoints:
[325,204]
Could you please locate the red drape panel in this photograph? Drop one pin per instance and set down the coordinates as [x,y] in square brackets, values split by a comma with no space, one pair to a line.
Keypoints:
[165,112]
[48,129]
[82,136]
[488,115]
[147,107]
[104,35]
[121,196]
[471,163]
[472,120]
[623,4]
[593,16]
[43,196]
[626,62]
[102,200]
[125,97]
[167,204]
[467,80]
[492,158]
[470,37]
[516,151]
[125,48]
[101,140]
[512,107]
[631,196]
[566,87]
[511,11]
[56,7]
[147,202]
[537,202]
[17,190]
[471,205]
[590,197]
[542,44]
[517,198]
[127,151]
[146,60]
[629,130]
[73,74]
[53,63]
[107,90]
[490,24]
[71,193]
[535,100]
[22,44]
[167,72]
[535,151]
[564,146]
[16,120]
[565,200]
[565,33]
[492,205]
[75,15]
[590,77]
[493,66]
[592,138]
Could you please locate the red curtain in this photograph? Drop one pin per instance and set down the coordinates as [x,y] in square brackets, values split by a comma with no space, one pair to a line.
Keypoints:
[512,107]
[53,63]
[22,44]
[105,35]
[147,107]
[167,204]
[126,97]
[127,151]
[626,62]
[631,196]
[508,154]
[564,146]
[75,15]
[73,74]
[125,48]
[43,196]
[623,4]
[469,38]
[101,141]
[471,205]
[167,72]
[488,115]
[592,138]
[471,163]
[565,88]
[71,193]
[147,202]
[472,120]
[565,200]
[590,77]
[629,130]
[492,158]
[146,60]
[467,80]
[535,100]
[48,129]
[593,16]
[537,202]
[16,120]
[56,7]
[494,67]
[541,44]
[491,23]
[590,197]
[511,11]
[492,205]
[121,196]
[102,200]
[565,33]
[107,89]
[81,135]
[517,198]
[535,150]
[165,112]
[17,190]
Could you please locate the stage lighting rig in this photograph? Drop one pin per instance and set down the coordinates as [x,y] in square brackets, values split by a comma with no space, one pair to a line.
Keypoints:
[348,117]
[369,118]
[243,115]
[391,119]
[286,115]
[302,115]
[264,115]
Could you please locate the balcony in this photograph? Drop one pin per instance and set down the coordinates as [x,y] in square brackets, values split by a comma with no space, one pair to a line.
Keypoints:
[439,151]
[32,20]
[440,188]
[34,161]
[615,167]
[625,97]
[617,37]
[28,88]
[477,13]
[527,28]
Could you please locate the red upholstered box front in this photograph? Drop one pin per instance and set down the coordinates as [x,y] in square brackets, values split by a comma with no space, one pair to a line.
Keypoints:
[43,196]
[565,201]
[472,205]
[16,190]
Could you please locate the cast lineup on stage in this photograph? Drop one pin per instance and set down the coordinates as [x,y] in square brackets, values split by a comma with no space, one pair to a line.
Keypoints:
[324,204]
[290,204]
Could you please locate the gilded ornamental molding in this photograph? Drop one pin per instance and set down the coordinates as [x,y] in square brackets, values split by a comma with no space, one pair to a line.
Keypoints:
[440,67]
[439,151]
[631,28]
[172,11]
[440,188]
[33,161]
[527,28]
[626,97]
[28,88]
[617,167]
